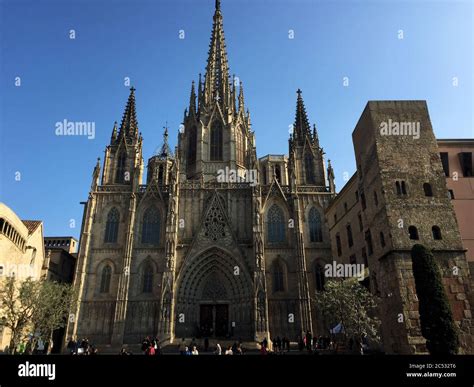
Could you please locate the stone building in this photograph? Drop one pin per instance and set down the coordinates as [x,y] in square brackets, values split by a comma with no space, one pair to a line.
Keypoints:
[21,253]
[217,242]
[399,197]
[221,243]
[60,260]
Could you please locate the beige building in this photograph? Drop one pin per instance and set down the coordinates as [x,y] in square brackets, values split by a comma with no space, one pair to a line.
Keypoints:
[456,158]
[399,197]
[21,252]
[60,259]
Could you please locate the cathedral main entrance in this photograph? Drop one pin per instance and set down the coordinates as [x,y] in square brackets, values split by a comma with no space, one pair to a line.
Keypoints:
[212,301]
[214,320]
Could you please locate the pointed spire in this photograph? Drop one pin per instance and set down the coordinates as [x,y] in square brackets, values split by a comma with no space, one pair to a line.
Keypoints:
[192,100]
[129,126]
[199,96]
[301,126]
[233,93]
[315,136]
[165,151]
[241,97]
[113,138]
[217,71]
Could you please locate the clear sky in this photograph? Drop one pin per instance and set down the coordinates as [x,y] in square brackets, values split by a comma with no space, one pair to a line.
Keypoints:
[82,79]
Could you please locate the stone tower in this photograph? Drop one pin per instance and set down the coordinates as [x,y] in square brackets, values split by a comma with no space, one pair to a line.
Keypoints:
[404,200]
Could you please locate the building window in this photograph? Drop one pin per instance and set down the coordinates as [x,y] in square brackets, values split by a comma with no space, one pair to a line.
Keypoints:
[376,199]
[357,196]
[192,145]
[445,162]
[315,229]
[105,279]
[345,207]
[160,175]
[309,168]
[352,259]
[362,199]
[427,189]
[436,233]
[112,225]
[404,188]
[216,141]
[350,241]
[451,194]
[382,239]
[151,226]
[413,233]
[240,146]
[338,245]
[120,172]
[276,225]
[465,159]
[368,241]
[398,188]
[278,277]
[148,278]
[361,225]
[278,173]
[319,274]
[1,270]
[335,218]
[264,175]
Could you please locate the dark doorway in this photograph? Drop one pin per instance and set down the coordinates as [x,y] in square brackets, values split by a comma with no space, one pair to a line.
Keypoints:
[214,320]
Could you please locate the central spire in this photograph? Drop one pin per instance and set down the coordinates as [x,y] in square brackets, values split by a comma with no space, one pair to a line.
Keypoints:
[216,84]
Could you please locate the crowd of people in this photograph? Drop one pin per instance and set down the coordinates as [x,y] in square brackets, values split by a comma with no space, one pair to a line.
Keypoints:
[81,347]
[192,348]
[151,346]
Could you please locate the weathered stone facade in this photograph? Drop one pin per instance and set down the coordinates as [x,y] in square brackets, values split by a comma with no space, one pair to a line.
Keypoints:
[195,253]
[402,199]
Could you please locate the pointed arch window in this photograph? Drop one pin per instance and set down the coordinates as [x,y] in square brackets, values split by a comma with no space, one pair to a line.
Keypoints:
[309,168]
[319,277]
[147,278]
[192,144]
[160,175]
[216,141]
[151,226]
[240,146]
[278,173]
[278,277]
[120,170]
[105,279]
[276,224]
[112,225]
[427,189]
[315,227]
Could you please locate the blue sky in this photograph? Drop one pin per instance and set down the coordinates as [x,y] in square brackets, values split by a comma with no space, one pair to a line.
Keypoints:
[83,79]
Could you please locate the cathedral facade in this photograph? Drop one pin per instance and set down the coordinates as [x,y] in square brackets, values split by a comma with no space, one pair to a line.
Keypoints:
[216,242]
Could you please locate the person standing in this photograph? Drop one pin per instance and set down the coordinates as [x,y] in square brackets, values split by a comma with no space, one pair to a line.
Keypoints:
[194,351]
[218,349]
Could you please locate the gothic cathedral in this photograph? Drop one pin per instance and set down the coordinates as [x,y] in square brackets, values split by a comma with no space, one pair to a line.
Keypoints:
[189,254]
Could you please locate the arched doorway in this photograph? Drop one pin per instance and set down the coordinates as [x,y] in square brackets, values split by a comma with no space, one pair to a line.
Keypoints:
[214,297]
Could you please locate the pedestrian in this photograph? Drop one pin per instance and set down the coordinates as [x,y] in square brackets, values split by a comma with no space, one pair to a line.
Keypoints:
[218,350]
[195,351]
[229,351]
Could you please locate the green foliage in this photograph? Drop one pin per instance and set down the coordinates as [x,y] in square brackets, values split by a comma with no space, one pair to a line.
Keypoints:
[437,325]
[349,303]
[33,307]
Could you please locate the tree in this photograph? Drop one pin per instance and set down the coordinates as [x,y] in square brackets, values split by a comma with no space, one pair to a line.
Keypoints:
[18,301]
[348,303]
[54,302]
[34,307]
[436,319]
